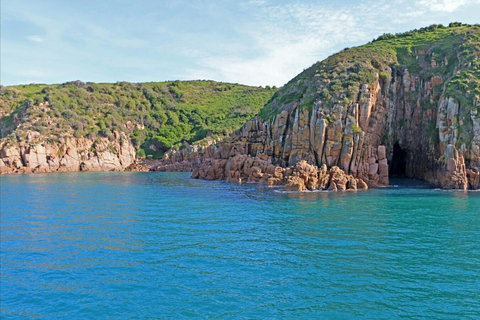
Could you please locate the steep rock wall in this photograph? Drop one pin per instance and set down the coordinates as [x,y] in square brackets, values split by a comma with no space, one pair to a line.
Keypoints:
[69,154]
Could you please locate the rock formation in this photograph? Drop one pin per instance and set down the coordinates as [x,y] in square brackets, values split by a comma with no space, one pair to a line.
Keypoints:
[302,176]
[360,116]
[69,154]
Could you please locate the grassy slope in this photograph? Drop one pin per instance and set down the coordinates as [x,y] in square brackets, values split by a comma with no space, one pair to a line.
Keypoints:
[337,78]
[162,114]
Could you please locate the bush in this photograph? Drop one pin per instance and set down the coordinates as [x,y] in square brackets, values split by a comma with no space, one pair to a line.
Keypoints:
[141,153]
[384,76]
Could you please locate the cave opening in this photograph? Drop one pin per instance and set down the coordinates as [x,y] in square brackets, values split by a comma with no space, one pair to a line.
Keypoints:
[399,161]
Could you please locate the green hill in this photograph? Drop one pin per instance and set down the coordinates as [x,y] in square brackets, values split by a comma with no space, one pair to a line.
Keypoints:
[451,52]
[156,115]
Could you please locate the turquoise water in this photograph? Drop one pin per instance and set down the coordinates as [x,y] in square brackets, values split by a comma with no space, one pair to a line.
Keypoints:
[163,246]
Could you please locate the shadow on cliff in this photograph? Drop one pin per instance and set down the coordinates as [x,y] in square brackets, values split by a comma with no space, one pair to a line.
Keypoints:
[398,166]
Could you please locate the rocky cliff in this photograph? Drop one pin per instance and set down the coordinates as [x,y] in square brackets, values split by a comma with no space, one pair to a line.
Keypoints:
[36,155]
[404,104]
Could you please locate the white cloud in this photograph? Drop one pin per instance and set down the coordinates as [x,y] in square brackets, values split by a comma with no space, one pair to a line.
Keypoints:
[289,38]
[442,5]
[35,38]
[445,5]
[256,42]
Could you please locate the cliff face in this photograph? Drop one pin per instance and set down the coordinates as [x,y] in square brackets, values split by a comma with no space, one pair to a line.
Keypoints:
[70,154]
[386,108]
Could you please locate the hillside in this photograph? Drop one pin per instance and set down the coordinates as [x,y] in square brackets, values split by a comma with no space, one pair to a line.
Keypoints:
[404,104]
[146,119]
[449,52]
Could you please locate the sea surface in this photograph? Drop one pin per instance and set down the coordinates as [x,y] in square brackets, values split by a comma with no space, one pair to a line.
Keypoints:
[164,246]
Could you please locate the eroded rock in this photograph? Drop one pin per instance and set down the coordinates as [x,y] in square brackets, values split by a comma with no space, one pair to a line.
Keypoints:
[73,154]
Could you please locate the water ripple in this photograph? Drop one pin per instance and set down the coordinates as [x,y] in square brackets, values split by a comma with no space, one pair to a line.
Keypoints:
[161,245]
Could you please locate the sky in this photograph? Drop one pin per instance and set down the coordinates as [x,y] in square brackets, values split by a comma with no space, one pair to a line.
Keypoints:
[255,42]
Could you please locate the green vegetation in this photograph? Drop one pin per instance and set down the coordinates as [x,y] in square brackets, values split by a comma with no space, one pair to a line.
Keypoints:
[156,116]
[449,52]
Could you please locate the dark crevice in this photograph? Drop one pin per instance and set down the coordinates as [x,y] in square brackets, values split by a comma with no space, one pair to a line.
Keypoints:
[398,166]
[325,139]
[285,157]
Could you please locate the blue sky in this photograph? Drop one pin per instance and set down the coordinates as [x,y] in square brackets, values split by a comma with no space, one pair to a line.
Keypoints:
[256,42]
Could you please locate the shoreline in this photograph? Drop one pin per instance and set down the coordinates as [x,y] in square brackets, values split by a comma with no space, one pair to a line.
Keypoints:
[144,165]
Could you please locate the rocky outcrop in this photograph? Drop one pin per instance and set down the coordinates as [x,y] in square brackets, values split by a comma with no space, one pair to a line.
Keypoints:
[399,122]
[191,156]
[139,165]
[361,140]
[183,166]
[68,154]
[301,177]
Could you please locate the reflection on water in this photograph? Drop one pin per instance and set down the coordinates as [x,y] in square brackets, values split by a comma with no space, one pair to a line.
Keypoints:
[128,245]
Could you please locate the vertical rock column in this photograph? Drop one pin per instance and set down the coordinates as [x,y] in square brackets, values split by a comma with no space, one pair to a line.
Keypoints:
[455,174]
[382,166]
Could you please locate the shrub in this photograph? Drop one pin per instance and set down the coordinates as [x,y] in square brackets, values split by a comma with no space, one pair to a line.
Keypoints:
[384,76]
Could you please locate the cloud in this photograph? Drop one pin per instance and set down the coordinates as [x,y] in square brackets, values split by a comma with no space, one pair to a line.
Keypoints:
[442,5]
[288,39]
[35,38]
[256,42]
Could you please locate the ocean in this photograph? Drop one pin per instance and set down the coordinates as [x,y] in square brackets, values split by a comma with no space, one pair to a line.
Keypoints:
[163,246]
